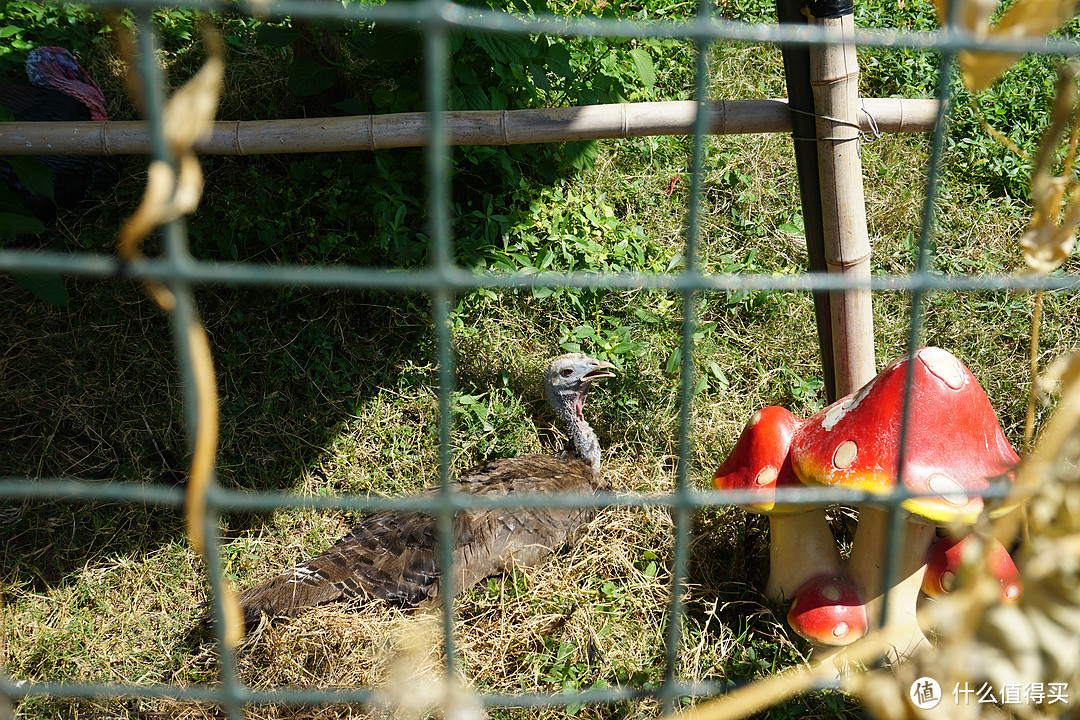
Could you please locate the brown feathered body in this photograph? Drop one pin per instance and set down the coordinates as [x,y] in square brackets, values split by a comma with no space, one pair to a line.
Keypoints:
[394,556]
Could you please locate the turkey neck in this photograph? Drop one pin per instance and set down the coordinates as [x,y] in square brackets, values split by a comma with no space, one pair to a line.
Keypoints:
[569,406]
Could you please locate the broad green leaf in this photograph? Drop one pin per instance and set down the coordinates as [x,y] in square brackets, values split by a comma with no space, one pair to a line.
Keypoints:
[44,286]
[557,60]
[475,98]
[465,74]
[9,201]
[307,77]
[384,100]
[644,65]
[12,224]
[581,154]
[539,76]
[33,174]
[509,50]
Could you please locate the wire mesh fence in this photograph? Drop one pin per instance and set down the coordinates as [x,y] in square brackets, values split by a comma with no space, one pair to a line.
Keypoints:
[182,276]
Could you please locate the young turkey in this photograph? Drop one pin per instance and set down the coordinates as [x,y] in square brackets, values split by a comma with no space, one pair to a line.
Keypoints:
[60,90]
[394,556]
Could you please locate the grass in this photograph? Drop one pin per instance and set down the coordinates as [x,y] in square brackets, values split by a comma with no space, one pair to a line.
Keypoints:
[331,392]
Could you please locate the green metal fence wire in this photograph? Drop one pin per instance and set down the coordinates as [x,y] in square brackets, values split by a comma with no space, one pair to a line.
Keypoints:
[183,275]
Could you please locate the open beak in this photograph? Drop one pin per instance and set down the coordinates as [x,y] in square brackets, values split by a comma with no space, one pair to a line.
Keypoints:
[602,371]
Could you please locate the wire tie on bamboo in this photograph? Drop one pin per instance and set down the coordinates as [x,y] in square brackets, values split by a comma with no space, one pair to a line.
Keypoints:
[874,129]
[371,132]
[236,138]
[625,121]
[835,121]
[504,121]
[103,138]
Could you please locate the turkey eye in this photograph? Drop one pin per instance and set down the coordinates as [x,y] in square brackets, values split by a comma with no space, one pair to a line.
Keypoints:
[567,372]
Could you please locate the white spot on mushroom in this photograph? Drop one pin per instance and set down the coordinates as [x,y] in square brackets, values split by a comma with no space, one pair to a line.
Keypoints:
[754,420]
[1012,592]
[830,592]
[945,365]
[767,475]
[841,629]
[950,491]
[845,454]
[948,581]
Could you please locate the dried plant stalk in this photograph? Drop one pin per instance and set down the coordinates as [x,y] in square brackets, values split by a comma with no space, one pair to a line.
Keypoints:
[1024,19]
[170,194]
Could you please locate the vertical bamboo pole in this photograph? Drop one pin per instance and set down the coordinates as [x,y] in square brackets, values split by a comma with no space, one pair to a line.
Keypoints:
[834,72]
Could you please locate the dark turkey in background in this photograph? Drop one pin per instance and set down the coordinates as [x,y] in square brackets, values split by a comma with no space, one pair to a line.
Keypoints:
[59,90]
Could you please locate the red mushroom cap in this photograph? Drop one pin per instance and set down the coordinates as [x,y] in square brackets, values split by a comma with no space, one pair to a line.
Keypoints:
[760,461]
[828,611]
[954,441]
[946,556]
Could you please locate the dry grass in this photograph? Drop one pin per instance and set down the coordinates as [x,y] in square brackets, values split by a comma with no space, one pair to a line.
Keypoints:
[601,603]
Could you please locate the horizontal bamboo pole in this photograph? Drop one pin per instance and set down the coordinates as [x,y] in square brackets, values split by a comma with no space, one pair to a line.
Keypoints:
[506,127]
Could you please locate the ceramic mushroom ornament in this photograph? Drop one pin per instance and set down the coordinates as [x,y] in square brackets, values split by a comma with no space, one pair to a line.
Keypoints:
[828,611]
[947,557]
[801,546]
[954,445]
[804,563]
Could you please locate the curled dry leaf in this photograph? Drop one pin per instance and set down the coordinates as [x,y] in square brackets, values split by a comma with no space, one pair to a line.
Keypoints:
[1024,19]
[190,112]
[188,116]
[1050,236]
[168,196]
[172,192]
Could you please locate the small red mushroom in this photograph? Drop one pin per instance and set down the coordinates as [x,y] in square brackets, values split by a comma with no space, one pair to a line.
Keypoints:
[947,555]
[828,611]
[954,446]
[801,546]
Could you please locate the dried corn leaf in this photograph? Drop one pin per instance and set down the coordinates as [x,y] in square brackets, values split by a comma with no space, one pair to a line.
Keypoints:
[172,192]
[1050,236]
[1024,19]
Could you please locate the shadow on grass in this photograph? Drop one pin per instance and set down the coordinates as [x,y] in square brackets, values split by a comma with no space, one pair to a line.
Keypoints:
[92,391]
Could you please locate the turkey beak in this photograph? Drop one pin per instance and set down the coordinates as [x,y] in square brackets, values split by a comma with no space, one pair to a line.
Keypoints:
[601,371]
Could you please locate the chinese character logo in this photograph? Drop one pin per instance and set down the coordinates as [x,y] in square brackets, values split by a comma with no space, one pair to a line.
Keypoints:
[925,693]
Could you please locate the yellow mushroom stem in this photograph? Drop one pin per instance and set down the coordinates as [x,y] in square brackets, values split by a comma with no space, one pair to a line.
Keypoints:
[866,568]
[801,548]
